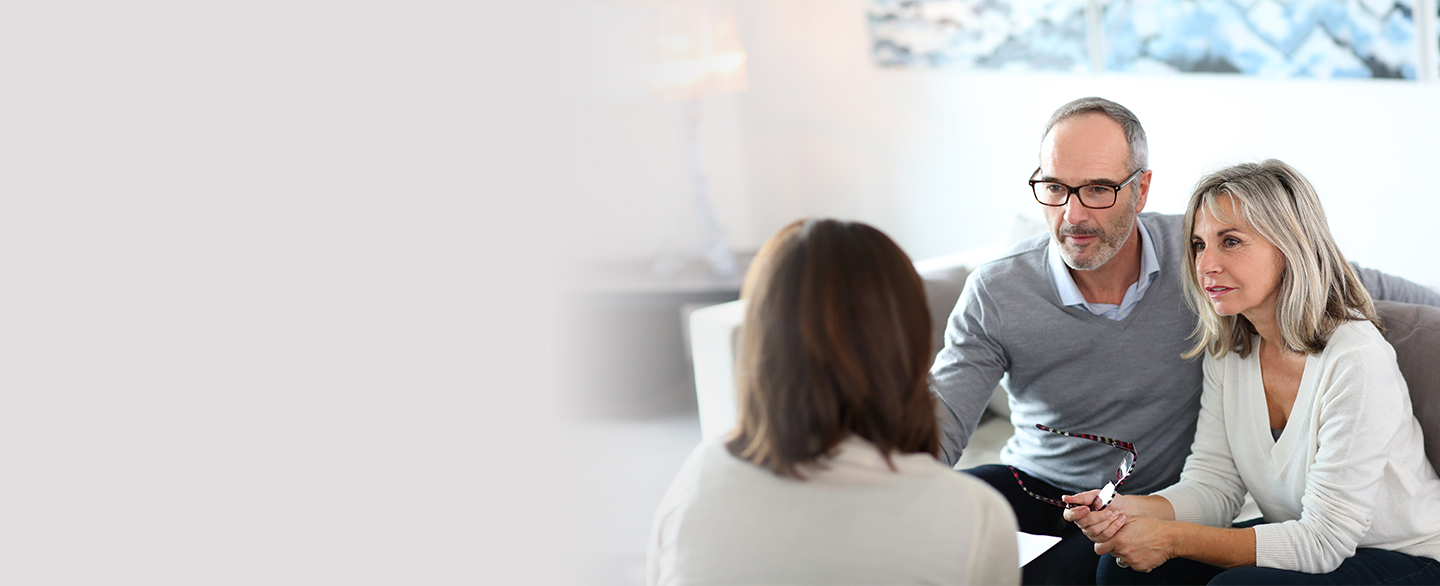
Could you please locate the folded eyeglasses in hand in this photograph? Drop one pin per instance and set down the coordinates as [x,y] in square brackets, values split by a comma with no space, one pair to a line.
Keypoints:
[1107,494]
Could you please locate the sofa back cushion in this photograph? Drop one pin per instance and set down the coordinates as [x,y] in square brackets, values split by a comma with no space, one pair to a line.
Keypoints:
[942,292]
[1414,331]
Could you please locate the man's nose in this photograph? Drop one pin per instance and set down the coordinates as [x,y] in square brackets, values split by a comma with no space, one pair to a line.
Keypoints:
[1075,212]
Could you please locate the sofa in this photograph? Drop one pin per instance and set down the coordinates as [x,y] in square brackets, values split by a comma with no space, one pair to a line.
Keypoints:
[1413,330]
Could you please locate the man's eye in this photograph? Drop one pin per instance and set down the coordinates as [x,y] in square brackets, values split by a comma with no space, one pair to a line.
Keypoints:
[1054,188]
[1096,191]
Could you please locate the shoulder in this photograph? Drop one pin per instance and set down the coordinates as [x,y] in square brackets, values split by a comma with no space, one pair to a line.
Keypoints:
[944,482]
[1024,260]
[708,463]
[1231,363]
[1165,233]
[955,496]
[976,503]
[1167,223]
[1357,353]
[1164,230]
[1357,345]
[1357,340]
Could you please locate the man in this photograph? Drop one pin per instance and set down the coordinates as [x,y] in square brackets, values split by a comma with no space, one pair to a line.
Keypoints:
[1088,325]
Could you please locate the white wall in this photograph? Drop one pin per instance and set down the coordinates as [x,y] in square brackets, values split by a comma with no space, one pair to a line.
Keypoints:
[938,159]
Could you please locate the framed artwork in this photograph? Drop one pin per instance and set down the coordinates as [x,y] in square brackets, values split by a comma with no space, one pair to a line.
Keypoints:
[1270,38]
[1042,35]
[1300,38]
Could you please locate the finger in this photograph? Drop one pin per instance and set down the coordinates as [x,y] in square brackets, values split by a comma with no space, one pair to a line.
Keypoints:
[1104,547]
[1075,514]
[1093,524]
[1108,530]
[1096,521]
[1111,530]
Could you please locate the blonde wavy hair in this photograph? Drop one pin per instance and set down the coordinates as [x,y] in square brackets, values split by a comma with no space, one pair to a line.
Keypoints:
[1319,291]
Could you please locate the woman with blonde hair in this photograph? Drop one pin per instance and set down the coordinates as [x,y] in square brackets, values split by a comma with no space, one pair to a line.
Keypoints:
[831,476]
[1303,407]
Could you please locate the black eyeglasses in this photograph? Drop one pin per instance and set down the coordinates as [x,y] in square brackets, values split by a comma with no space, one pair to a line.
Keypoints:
[1107,494]
[1094,196]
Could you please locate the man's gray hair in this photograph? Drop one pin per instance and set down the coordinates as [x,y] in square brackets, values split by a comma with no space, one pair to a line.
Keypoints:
[1134,133]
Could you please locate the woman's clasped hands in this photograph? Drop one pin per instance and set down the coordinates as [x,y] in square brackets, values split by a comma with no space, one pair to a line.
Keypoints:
[1136,541]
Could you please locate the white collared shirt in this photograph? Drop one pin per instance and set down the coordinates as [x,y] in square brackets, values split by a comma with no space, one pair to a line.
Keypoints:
[1070,295]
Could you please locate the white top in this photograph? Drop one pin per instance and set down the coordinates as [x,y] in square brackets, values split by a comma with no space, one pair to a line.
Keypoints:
[1070,295]
[1349,470]
[727,521]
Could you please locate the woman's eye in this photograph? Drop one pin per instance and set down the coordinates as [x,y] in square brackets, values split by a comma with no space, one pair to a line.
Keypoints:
[1232,241]
[1197,245]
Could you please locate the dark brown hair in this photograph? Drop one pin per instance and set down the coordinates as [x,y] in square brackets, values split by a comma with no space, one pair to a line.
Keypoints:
[836,342]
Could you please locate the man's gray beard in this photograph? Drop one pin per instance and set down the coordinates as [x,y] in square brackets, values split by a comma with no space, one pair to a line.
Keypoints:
[1108,251]
[1103,255]
[1095,261]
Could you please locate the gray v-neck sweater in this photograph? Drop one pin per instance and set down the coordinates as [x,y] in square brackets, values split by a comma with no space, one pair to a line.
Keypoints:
[1073,370]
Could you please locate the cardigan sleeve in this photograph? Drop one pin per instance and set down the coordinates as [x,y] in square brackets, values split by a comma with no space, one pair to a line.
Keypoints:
[1355,405]
[1210,491]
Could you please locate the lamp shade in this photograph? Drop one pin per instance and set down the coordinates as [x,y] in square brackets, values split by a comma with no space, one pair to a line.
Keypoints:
[695,52]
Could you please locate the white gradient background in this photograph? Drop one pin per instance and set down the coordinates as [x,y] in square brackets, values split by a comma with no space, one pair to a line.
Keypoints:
[250,260]
[280,281]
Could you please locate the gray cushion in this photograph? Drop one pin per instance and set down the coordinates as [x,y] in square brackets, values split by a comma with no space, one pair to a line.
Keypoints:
[942,292]
[1414,331]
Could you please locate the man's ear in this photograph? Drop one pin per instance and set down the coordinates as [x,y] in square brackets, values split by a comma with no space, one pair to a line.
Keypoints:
[1143,184]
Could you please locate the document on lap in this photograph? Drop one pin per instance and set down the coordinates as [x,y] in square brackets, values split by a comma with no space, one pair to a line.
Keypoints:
[1031,546]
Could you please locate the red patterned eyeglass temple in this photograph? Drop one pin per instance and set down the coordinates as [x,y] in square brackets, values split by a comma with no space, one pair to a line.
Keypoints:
[1127,466]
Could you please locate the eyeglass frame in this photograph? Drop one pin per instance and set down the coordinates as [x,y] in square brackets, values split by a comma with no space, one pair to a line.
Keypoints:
[1075,191]
[1121,474]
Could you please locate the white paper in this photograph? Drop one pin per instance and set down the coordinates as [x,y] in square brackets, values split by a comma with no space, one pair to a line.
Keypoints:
[1031,546]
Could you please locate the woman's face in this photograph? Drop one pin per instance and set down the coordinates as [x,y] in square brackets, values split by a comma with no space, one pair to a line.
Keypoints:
[1239,271]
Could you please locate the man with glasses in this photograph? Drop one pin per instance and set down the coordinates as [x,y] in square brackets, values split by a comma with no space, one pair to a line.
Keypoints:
[1086,326]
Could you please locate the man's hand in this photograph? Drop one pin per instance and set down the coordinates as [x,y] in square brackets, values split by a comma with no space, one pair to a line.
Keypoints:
[1142,545]
[1099,526]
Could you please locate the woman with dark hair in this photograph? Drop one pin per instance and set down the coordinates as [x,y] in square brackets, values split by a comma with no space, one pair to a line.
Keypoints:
[1303,407]
[831,476]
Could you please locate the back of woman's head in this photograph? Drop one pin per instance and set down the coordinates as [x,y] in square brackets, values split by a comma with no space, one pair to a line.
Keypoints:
[1318,290]
[836,342]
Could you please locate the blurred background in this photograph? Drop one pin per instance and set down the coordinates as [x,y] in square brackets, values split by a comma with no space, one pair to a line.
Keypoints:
[698,128]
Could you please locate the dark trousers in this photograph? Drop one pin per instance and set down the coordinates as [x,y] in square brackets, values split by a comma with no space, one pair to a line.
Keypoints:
[1367,566]
[1073,560]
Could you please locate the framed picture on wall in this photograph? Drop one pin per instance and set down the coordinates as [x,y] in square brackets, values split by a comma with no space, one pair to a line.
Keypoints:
[1268,38]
